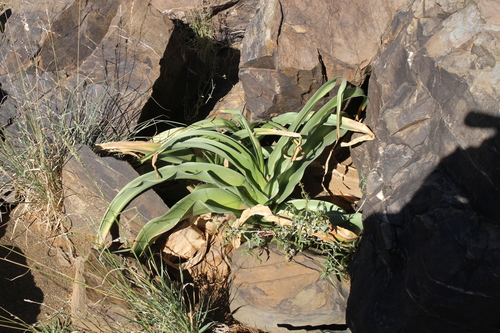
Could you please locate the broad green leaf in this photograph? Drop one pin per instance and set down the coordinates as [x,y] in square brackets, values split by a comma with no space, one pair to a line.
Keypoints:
[126,147]
[165,135]
[179,156]
[208,173]
[217,143]
[239,171]
[312,148]
[313,101]
[204,199]
[284,145]
[214,125]
[325,112]
[340,95]
[257,150]
[237,154]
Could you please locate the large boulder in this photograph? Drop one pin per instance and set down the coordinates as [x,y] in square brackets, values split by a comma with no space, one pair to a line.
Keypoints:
[430,257]
[274,294]
[101,52]
[291,47]
[91,182]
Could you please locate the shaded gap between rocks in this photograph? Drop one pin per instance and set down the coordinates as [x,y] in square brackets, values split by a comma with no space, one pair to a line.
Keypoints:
[322,328]
[195,73]
[21,298]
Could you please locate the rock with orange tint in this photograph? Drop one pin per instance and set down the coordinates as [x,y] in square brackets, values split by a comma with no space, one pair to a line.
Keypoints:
[269,292]
[291,47]
[91,182]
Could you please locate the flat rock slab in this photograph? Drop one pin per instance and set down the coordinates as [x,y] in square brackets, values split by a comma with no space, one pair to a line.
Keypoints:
[91,182]
[271,293]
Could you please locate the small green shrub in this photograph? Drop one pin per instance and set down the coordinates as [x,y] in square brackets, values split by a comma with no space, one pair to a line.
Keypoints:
[157,302]
[309,229]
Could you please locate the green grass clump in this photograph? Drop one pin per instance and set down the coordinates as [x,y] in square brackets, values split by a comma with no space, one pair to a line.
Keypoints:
[160,304]
[45,122]
[155,302]
[144,295]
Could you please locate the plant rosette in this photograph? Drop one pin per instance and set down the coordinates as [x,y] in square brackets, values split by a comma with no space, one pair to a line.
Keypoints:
[240,168]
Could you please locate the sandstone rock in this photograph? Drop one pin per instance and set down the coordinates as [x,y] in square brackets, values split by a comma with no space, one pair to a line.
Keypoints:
[267,291]
[198,68]
[201,63]
[231,24]
[8,195]
[292,47]
[429,257]
[91,182]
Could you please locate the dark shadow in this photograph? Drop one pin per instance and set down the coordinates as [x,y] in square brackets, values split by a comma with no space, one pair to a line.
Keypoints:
[3,95]
[9,121]
[20,298]
[3,19]
[435,266]
[194,74]
[321,328]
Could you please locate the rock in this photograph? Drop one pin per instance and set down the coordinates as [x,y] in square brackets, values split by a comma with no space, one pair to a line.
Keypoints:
[430,257]
[8,195]
[270,293]
[103,53]
[169,6]
[291,48]
[96,305]
[232,23]
[234,100]
[90,183]
[230,18]
[199,67]
[201,63]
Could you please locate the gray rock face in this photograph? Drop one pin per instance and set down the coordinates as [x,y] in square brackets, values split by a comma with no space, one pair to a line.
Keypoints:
[270,293]
[101,51]
[430,257]
[91,182]
[291,47]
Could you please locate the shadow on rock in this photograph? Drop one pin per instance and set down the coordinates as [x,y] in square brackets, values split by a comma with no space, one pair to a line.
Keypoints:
[20,297]
[194,75]
[435,266]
